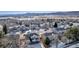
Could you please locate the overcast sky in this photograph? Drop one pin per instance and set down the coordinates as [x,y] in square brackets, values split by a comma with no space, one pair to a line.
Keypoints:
[39,5]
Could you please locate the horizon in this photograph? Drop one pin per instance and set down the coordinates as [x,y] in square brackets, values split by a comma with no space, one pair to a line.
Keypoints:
[22,12]
[11,13]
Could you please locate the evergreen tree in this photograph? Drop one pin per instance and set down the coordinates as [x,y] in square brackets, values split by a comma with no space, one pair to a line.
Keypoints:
[55,25]
[5,29]
[47,41]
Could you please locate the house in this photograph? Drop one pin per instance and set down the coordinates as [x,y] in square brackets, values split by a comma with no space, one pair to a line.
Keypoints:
[33,37]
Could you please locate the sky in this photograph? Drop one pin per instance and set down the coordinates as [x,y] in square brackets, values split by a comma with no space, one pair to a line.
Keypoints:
[37,5]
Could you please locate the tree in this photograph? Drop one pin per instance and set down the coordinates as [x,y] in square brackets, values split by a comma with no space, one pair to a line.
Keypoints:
[47,41]
[72,33]
[55,25]
[71,24]
[5,28]
[20,23]
[30,39]
[49,20]
[26,25]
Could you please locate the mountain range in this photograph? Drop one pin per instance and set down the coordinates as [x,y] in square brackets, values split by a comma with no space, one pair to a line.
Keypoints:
[13,13]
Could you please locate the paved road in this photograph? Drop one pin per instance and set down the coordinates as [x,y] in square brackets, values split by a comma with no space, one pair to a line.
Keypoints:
[72,45]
